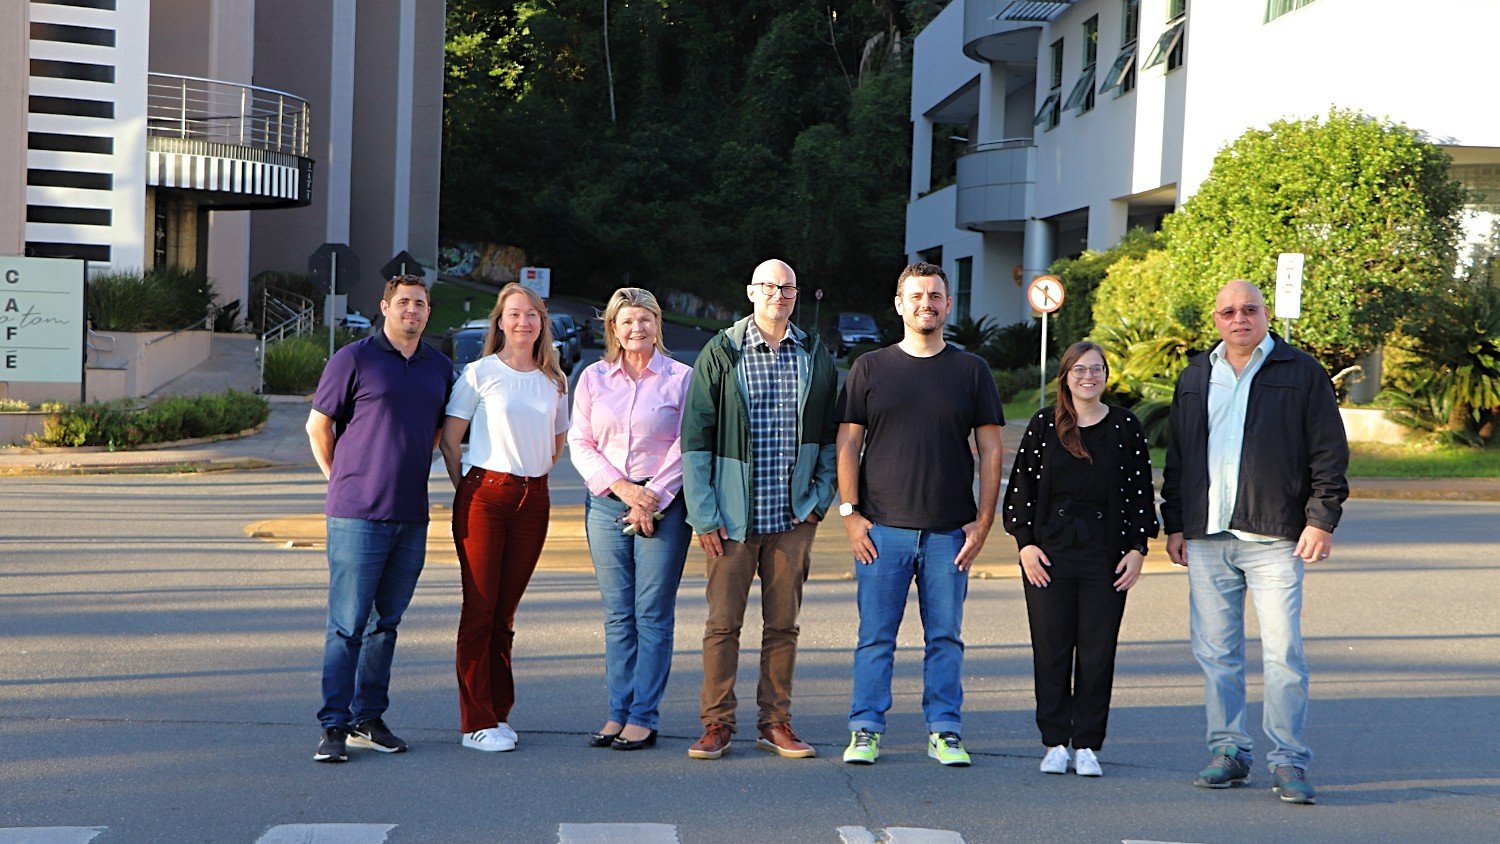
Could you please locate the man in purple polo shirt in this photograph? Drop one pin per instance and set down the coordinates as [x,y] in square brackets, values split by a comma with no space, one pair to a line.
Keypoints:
[373,428]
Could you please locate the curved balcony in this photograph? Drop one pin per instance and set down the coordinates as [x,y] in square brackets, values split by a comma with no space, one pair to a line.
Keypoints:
[994,184]
[236,146]
[988,37]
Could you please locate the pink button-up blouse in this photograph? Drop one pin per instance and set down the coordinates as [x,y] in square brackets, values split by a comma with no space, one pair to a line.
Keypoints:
[628,428]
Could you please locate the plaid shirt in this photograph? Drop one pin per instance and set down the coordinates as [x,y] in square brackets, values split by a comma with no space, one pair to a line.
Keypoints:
[771,376]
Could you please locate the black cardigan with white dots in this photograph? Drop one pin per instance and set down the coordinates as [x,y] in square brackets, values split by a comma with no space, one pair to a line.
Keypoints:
[1132,501]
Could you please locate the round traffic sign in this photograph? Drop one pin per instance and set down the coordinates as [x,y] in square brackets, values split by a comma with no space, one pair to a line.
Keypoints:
[1045,293]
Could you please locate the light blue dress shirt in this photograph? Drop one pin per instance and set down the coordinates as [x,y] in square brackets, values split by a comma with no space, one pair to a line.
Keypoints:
[1228,401]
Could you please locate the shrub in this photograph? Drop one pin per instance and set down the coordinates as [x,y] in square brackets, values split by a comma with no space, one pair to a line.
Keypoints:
[1013,382]
[161,299]
[1081,277]
[1015,345]
[294,365]
[859,349]
[120,425]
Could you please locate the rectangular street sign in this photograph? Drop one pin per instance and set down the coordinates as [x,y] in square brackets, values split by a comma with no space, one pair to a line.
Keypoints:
[538,280]
[1289,285]
[41,319]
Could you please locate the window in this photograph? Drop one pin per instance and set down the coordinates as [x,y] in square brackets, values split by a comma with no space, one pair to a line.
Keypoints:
[1170,47]
[1277,8]
[1121,76]
[1082,96]
[963,287]
[1050,114]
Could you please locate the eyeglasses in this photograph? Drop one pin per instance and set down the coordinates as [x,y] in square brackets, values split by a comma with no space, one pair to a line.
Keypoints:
[1083,371]
[1250,312]
[787,291]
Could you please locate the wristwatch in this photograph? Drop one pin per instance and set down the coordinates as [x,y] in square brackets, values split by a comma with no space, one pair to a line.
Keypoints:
[846,509]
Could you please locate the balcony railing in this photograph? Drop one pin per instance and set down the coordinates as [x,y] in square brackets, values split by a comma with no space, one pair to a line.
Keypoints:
[994,179]
[211,110]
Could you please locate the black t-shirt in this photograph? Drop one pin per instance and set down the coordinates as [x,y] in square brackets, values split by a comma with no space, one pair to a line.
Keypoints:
[918,469]
[1080,481]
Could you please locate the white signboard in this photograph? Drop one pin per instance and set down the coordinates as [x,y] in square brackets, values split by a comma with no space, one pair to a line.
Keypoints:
[538,280]
[1289,285]
[41,319]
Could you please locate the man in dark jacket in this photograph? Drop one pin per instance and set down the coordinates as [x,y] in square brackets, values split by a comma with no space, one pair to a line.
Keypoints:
[1253,489]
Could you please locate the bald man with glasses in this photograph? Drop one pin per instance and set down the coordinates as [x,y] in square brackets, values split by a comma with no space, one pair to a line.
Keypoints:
[1253,489]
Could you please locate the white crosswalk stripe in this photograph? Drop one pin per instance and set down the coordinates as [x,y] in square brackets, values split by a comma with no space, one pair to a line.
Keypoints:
[856,835]
[326,833]
[617,833]
[898,835]
[50,834]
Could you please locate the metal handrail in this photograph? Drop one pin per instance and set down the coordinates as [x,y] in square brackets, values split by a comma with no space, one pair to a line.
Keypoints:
[1004,143]
[194,108]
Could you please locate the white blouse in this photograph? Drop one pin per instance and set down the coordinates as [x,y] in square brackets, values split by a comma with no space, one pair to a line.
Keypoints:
[514,417]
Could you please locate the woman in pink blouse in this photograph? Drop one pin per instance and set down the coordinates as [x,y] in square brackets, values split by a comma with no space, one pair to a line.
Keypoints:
[625,442]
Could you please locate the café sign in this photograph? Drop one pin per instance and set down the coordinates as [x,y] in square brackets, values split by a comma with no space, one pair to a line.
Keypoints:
[41,319]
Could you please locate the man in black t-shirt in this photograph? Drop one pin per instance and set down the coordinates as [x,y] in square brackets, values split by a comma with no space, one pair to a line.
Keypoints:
[906,476]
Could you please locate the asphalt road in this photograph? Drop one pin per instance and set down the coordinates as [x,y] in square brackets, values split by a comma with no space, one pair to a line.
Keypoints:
[159,676]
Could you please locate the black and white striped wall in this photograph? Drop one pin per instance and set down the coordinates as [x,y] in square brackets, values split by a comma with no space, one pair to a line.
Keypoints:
[86,130]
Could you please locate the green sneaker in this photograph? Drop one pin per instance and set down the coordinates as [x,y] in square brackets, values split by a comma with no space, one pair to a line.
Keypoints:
[948,749]
[1291,785]
[1230,768]
[863,749]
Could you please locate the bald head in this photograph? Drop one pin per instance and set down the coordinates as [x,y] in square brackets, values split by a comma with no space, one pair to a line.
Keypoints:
[1240,315]
[773,292]
[774,271]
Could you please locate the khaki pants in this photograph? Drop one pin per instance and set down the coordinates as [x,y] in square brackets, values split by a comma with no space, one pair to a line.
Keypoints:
[781,560]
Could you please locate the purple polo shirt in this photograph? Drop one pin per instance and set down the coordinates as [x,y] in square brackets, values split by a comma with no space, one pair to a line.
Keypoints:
[387,409]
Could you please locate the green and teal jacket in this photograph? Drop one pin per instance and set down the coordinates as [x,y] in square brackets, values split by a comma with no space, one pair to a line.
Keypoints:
[716,469]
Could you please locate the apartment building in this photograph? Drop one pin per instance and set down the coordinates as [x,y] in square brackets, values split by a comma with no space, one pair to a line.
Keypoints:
[231,135]
[1045,127]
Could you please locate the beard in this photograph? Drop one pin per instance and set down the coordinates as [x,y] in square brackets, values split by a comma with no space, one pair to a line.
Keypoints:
[913,322]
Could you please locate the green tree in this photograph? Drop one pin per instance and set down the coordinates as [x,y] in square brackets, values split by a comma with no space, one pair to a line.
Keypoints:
[1370,203]
[1081,277]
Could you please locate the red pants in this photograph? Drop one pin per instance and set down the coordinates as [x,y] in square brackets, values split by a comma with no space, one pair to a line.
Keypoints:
[499,524]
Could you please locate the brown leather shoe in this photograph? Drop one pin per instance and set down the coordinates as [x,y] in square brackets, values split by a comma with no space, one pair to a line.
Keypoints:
[779,739]
[713,744]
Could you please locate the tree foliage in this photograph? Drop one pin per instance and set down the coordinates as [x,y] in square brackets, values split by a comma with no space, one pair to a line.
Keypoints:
[1370,203]
[739,131]
[1081,277]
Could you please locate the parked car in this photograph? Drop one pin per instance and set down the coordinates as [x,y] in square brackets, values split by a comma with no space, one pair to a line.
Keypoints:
[565,332]
[465,343]
[850,329]
[574,329]
[355,323]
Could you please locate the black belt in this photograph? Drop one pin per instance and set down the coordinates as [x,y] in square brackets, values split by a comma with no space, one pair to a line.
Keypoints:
[1068,523]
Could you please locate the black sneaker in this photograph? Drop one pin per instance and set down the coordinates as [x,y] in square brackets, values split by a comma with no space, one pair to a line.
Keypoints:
[331,748]
[377,736]
[1229,768]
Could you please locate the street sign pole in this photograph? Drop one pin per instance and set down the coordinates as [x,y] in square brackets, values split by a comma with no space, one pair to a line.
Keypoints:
[1289,290]
[1045,295]
[1041,393]
[333,273]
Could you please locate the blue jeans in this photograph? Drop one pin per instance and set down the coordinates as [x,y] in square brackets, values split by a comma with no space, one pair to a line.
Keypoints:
[901,556]
[638,578]
[372,571]
[1220,568]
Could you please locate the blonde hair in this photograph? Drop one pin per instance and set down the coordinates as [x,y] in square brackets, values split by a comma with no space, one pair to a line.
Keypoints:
[628,297]
[542,353]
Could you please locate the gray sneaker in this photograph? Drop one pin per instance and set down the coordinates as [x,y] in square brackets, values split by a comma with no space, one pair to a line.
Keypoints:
[1229,768]
[1291,785]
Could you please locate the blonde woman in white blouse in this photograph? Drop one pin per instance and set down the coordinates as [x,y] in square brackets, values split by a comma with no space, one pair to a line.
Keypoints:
[513,402]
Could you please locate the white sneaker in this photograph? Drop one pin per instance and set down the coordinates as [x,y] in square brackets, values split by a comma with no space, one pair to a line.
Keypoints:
[1056,761]
[505,730]
[1086,763]
[490,740]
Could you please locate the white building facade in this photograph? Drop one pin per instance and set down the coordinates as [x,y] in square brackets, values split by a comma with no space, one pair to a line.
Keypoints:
[1045,127]
[233,136]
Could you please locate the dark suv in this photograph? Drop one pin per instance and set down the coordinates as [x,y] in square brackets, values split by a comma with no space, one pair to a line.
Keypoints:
[850,329]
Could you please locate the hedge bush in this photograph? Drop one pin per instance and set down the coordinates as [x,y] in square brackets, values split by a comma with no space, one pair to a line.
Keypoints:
[161,299]
[120,425]
[294,365]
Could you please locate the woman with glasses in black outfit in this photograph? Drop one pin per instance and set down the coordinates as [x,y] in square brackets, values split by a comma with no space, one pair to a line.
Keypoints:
[1081,507]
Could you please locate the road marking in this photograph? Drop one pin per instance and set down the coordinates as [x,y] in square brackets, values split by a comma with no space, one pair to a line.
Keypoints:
[1149,841]
[49,834]
[326,833]
[898,835]
[913,835]
[617,833]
